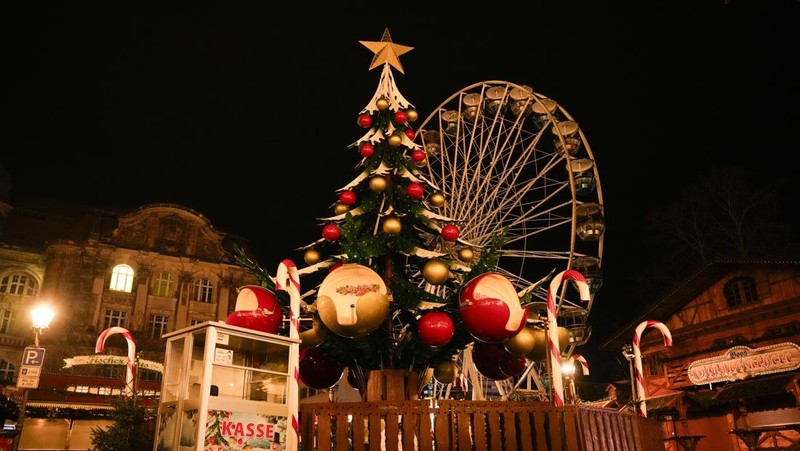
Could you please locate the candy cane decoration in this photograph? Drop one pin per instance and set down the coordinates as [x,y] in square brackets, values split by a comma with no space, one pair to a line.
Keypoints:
[582,360]
[552,329]
[637,358]
[100,346]
[287,279]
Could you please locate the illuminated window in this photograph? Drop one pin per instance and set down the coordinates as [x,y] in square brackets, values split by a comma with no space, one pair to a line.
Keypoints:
[19,284]
[5,321]
[163,285]
[114,318]
[122,278]
[740,290]
[82,389]
[7,371]
[157,326]
[104,391]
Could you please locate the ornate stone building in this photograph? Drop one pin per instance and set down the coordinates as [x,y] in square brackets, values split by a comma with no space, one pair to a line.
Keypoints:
[152,270]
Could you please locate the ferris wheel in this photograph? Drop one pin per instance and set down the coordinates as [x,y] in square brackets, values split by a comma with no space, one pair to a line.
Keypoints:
[509,159]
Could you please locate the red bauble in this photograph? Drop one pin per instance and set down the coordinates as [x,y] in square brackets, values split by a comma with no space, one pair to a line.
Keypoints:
[256,308]
[450,232]
[415,190]
[410,133]
[490,308]
[336,265]
[367,150]
[487,358]
[365,120]
[513,365]
[400,117]
[418,155]
[435,328]
[317,370]
[347,197]
[331,232]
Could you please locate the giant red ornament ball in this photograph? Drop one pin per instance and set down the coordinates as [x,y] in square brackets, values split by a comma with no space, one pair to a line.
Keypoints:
[450,232]
[367,150]
[418,155]
[331,232]
[410,133]
[400,117]
[317,370]
[435,328]
[365,120]
[347,197]
[415,190]
[487,358]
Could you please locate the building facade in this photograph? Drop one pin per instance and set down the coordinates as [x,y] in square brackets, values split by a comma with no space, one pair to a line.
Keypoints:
[730,378]
[155,269]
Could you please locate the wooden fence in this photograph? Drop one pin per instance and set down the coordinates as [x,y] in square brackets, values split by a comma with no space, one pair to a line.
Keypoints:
[472,425]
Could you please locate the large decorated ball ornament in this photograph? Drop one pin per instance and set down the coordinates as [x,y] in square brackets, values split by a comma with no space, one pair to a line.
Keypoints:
[256,308]
[352,301]
[435,328]
[539,353]
[487,358]
[315,335]
[490,308]
[446,371]
[317,370]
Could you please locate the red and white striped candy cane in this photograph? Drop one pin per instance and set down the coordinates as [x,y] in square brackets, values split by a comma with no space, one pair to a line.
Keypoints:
[584,365]
[100,346]
[552,328]
[637,358]
[287,279]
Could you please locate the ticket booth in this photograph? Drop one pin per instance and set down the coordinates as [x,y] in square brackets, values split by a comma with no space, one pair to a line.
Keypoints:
[224,388]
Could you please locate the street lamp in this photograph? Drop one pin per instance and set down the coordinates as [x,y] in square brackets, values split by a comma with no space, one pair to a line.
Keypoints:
[40,321]
[568,371]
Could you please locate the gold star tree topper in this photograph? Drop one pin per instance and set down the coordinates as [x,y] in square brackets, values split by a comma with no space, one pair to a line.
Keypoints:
[386,51]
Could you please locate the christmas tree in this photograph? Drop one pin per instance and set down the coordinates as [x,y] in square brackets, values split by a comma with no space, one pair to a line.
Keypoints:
[401,290]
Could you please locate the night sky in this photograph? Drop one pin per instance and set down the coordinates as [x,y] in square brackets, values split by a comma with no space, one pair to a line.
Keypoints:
[243,111]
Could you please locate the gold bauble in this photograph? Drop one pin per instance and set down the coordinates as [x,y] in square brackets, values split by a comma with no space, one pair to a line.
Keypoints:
[436,272]
[523,342]
[540,352]
[445,372]
[466,255]
[392,225]
[437,199]
[340,208]
[395,140]
[314,336]
[311,256]
[411,114]
[382,103]
[377,184]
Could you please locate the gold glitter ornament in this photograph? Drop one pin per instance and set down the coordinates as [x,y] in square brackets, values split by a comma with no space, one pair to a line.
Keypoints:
[392,225]
[377,184]
[436,272]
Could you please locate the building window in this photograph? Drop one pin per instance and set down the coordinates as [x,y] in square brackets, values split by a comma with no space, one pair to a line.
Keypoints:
[122,278]
[19,284]
[82,389]
[114,318]
[7,371]
[148,375]
[164,285]
[157,326]
[5,321]
[655,365]
[203,291]
[740,290]
[195,322]
[104,391]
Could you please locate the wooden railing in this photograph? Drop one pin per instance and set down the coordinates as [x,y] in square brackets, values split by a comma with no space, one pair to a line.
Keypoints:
[472,425]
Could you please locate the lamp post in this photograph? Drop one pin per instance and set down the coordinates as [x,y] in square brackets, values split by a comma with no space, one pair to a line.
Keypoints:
[40,321]
[627,352]
[568,371]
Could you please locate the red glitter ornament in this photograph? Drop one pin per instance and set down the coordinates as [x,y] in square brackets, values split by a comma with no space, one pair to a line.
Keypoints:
[450,232]
[435,328]
[410,133]
[400,117]
[367,150]
[418,155]
[365,120]
[331,232]
[347,197]
[415,190]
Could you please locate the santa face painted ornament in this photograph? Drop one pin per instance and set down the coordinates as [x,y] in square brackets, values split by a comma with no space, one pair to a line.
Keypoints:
[490,308]
[352,301]
[256,308]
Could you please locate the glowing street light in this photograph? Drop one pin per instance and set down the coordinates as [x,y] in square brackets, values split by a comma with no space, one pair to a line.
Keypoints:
[568,371]
[41,317]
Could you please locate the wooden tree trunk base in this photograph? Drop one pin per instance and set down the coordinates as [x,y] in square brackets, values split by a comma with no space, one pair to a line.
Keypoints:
[396,385]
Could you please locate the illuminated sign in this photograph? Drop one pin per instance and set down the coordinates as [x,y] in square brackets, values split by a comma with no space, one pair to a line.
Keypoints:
[742,362]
